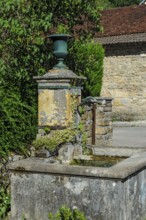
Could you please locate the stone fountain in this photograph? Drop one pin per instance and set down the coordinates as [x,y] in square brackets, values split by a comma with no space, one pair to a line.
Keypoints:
[41,185]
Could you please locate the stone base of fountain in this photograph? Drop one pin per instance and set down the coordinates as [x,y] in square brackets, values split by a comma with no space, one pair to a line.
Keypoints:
[40,186]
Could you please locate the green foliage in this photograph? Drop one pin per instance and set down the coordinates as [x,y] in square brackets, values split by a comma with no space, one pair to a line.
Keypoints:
[25,52]
[121,3]
[52,142]
[4,202]
[62,29]
[17,123]
[105,4]
[88,61]
[22,56]
[66,213]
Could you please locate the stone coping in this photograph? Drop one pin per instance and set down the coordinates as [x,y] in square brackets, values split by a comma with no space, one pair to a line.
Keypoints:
[59,74]
[91,99]
[117,150]
[121,171]
[129,123]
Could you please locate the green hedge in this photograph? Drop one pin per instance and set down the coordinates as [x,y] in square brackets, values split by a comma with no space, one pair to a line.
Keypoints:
[88,61]
[17,124]
[26,52]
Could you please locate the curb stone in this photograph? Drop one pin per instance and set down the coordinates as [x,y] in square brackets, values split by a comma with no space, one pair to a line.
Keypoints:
[129,123]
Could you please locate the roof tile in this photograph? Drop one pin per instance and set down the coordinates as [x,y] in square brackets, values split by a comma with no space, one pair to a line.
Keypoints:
[123,21]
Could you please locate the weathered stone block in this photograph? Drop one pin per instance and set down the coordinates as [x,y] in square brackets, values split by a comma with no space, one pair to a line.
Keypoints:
[103,122]
[66,152]
[89,141]
[102,130]
[100,109]
[89,133]
[77,150]
[103,143]
[109,104]
[88,127]
[104,137]
[88,107]
[103,115]
[89,115]
[107,109]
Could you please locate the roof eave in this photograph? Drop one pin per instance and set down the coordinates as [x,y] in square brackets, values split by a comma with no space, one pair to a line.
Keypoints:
[130,38]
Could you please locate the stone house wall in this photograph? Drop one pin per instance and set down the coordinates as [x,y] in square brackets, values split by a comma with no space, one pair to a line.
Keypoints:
[125,80]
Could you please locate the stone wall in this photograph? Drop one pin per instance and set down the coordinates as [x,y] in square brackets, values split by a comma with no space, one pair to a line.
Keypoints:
[97,120]
[125,80]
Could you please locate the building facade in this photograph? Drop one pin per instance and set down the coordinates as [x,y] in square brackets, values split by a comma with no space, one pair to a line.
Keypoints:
[124,40]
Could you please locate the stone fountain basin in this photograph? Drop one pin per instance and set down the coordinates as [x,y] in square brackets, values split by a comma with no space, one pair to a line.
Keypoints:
[135,159]
[39,186]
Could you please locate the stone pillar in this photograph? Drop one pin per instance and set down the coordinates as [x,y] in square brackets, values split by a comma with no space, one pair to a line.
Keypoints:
[104,127]
[97,121]
[87,121]
[57,91]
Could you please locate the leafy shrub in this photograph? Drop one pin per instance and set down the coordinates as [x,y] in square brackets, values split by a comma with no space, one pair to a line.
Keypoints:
[122,3]
[53,142]
[66,213]
[4,202]
[25,52]
[88,61]
[17,124]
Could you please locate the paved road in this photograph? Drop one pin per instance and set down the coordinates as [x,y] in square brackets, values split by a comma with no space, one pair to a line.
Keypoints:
[129,136]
